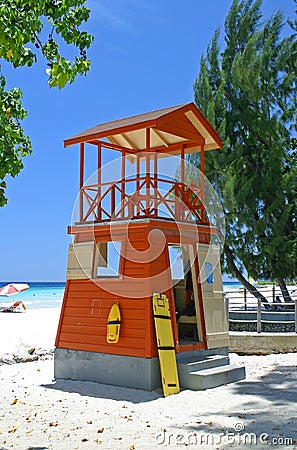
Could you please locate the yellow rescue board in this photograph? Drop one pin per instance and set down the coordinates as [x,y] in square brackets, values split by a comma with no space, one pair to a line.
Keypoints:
[166,350]
[113,324]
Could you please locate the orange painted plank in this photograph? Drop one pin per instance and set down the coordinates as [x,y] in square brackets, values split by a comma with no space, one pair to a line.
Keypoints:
[62,311]
[94,316]
[80,321]
[112,289]
[74,330]
[139,324]
[82,313]
[100,330]
[192,347]
[77,313]
[130,269]
[135,273]
[104,290]
[134,322]
[88,303]
[100,340]
[96,284]
[106,304]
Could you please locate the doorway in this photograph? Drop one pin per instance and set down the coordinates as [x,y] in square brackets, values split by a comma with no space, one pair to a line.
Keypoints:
[187,293]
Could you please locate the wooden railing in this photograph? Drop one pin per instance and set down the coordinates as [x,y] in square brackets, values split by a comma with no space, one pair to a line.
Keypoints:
[141,197]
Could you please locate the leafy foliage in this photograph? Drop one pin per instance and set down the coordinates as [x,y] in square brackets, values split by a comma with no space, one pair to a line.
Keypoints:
[14,145]
[248,92]
[23,26]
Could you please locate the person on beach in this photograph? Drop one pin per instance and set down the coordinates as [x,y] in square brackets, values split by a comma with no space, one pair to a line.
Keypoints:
[276,307]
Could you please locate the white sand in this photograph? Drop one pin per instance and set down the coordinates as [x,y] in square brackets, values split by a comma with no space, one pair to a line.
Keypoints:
[25,336]
[38,412]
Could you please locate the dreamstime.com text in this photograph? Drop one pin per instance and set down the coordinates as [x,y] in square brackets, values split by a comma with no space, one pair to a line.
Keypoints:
[240,438]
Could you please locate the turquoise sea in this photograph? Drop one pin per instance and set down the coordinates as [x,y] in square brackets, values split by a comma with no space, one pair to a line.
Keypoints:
[50,294]
[39,295]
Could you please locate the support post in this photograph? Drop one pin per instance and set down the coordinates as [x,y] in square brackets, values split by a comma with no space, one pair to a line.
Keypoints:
[180,210]
[99,179]
[112,201]
[295,301]
[81,181]
[148,170]
[245,299]
[259,323]
[182,164]
[137,171]
[202,182]
[137,180]
[123,183]
[155,182]
[227,309]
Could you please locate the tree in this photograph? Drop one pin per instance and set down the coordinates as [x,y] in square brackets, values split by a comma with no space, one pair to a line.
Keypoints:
[248,92]
[23,25]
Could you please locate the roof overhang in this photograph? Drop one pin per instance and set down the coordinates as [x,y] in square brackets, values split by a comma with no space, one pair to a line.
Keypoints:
[169,130]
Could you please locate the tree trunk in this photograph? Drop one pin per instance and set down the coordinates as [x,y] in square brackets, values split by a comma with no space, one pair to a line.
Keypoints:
[236,272]
[284,289]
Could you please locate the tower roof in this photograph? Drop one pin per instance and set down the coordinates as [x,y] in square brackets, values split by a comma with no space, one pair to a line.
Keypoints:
[169,128]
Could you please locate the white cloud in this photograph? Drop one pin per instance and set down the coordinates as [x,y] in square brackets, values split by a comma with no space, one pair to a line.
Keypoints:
[120,14]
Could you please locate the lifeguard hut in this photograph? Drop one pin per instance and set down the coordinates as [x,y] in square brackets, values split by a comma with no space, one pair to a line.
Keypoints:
[124,237]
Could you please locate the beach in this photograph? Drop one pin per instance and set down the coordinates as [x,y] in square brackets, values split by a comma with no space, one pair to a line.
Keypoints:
[38,411]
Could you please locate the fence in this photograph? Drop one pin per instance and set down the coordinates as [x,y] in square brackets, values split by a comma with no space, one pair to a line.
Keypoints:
[246,313]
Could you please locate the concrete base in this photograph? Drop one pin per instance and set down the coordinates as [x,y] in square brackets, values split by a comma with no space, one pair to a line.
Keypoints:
[134,372]
[262,343]
[128,371]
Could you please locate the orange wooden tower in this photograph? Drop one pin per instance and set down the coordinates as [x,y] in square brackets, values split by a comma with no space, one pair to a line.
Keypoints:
[125,235]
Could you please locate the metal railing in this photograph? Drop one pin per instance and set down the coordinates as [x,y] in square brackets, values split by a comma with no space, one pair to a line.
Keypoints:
[243,303]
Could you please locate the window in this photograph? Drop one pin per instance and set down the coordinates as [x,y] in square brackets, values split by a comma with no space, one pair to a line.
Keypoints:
[108,259]
[176,261]
[209,272]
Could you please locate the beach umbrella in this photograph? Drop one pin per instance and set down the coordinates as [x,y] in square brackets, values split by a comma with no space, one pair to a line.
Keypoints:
[13,288]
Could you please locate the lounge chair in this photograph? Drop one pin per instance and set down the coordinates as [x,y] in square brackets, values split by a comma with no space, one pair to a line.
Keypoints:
[18,306]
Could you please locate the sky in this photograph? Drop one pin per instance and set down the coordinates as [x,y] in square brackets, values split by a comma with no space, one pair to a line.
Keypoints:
[145,56]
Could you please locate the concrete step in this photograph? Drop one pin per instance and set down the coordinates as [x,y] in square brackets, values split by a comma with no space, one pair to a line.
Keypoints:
[192,364]
[213,377]
[208,363]
[199,355]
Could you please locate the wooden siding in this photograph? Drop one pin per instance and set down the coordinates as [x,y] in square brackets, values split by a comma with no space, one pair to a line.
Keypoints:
[83,322]
[144,270]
